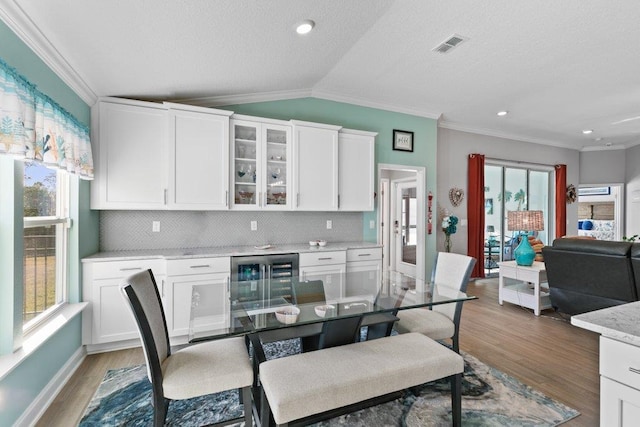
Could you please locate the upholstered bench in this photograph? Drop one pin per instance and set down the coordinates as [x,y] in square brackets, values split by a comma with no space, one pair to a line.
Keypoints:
[307,384]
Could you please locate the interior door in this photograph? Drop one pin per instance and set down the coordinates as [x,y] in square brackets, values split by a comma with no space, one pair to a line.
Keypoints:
[405,227]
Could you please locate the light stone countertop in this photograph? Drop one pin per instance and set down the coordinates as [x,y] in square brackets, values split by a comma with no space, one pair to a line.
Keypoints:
[621,322]
[220,251]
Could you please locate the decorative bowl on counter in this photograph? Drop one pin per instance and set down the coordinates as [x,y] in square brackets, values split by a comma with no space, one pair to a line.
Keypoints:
[317,243]
[322,243]
[288,315]
[322,310]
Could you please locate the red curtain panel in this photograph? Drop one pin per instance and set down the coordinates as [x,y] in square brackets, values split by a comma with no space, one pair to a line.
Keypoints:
[561,200]
[475,213]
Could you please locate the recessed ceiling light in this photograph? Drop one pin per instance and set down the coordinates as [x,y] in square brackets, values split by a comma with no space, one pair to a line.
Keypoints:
[587,131]
[503,113]
[305,26]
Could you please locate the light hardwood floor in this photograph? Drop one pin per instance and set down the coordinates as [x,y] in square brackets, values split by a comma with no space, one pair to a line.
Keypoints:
[544,352]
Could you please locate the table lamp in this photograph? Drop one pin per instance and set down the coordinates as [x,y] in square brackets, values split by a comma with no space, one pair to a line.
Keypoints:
[491,229]
[525,221]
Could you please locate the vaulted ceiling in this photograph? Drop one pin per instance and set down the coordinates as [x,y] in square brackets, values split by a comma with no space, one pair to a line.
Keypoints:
[557,67]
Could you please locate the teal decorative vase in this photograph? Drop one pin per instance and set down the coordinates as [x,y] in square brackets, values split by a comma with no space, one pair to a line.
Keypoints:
[524,253]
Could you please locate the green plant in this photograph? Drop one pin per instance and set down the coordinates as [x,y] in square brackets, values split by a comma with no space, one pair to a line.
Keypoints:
[631,239]
[520,197]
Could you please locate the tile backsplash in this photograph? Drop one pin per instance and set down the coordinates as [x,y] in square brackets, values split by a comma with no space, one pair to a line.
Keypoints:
[131,230]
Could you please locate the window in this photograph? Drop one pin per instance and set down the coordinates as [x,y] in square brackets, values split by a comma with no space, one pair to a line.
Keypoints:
[46,220]
[511,187]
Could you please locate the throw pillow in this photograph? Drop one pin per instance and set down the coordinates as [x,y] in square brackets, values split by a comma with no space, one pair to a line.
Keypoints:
[587,225]
[580,225]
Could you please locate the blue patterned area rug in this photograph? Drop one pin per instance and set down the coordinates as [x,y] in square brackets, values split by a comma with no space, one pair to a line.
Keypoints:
[490,398]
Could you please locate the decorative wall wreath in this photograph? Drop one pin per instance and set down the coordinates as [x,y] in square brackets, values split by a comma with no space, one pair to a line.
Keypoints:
[456,195]
[572,194]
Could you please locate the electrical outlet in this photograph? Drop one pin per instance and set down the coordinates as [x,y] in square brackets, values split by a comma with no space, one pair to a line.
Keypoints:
[254,225]
[155,226]
[329,224]
[372,224]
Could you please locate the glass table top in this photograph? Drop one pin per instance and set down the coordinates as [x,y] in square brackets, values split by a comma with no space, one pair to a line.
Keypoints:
[284,302]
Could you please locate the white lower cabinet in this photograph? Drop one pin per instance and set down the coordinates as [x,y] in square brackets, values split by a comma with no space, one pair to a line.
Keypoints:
[364,268]
[330,267]
[619,383]
[182,276]
[108,319]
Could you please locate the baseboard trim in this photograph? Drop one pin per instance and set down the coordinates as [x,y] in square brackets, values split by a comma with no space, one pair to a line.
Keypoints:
[41,403]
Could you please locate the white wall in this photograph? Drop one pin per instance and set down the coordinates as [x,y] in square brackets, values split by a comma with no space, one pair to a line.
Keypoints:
[453,150]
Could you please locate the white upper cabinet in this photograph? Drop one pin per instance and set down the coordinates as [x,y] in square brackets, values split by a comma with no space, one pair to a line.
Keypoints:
[315,166]
[152,156]
[198,158]
[260,164]
[131,166]
[356,159]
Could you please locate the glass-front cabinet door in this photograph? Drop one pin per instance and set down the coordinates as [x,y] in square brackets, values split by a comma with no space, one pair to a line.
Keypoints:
[260,165]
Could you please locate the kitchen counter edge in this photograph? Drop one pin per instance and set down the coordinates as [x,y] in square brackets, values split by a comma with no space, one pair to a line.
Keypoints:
[221,251]
[621,322]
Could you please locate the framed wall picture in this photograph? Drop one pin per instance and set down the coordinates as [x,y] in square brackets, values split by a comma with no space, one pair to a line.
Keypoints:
[402,140]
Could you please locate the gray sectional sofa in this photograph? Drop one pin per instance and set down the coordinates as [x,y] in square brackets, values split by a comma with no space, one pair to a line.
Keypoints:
[586,275]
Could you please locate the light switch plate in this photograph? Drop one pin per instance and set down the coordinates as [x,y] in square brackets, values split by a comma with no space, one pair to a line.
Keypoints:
[329,224]
[254,225]
[155,226]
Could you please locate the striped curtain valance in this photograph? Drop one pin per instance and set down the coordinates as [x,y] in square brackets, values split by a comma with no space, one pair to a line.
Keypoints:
[34,127]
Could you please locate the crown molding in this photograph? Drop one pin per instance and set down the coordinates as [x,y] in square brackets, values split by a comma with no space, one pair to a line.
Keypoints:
[19,22]
[330,96]
[248,98]
[500,134]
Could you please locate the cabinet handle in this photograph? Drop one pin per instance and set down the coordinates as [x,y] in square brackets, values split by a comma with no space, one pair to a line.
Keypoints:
[226,198]
[165,196]
[325,258]
[228,285]
[200,266]
[364,254]
[338,201]
[297,199]
[634,370]
[260,199]
[131,268]
[162,288]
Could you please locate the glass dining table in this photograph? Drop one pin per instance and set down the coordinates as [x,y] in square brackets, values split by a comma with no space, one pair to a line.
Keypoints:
[293,307]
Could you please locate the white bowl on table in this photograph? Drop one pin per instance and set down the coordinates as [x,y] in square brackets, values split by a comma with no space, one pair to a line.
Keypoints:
[288,315]
[322,310]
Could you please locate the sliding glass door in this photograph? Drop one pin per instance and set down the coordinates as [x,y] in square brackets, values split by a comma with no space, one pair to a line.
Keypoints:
[512,188]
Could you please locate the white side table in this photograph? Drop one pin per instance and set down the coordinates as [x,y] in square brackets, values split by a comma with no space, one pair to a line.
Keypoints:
[529,292]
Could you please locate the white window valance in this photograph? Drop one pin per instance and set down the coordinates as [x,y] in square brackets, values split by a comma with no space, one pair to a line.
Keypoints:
[34,127]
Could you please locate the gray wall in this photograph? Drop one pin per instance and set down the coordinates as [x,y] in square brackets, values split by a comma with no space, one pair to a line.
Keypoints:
[602,167]
[632,196]
[455,146]
[131,230]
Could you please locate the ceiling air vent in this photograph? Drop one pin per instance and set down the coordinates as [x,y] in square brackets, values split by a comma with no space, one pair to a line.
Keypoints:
[449,43]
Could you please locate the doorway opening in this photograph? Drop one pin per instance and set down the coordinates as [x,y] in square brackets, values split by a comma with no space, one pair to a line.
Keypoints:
[401,216]
[600,211]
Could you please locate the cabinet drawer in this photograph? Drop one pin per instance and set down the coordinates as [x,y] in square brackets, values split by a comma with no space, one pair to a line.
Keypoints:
[322,258]
[368,254]
[180,267]
[121,269]
[620,361]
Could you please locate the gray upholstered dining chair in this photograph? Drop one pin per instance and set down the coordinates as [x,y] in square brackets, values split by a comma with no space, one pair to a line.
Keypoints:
[441,322]
[196,370]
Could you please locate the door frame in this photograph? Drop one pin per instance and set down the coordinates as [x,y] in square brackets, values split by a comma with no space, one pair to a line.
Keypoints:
[385,171]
